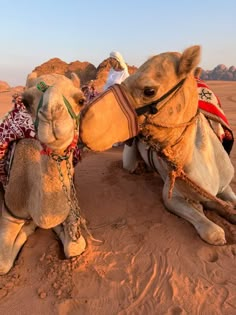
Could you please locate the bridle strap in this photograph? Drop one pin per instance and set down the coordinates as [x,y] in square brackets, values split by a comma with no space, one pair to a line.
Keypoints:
[36,123]
[151,108]
[71,112]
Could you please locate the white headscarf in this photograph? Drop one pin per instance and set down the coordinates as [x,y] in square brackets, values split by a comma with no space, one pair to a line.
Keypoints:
[117,76]
[116,55]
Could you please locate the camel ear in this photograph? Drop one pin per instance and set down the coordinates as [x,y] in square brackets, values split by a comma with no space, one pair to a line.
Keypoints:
[75,79]
[189,60]
[30,79]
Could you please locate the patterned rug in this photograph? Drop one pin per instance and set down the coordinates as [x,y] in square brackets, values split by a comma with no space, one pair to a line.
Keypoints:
[210,105]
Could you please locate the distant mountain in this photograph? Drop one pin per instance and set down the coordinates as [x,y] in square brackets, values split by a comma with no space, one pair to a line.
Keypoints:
[4,86]
[220,72]
[87,72]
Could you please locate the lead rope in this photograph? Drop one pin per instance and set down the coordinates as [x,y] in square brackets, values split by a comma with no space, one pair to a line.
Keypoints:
[74,219]
[177,172]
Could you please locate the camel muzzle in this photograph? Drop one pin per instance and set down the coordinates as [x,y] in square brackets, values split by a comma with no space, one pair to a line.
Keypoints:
[109,118]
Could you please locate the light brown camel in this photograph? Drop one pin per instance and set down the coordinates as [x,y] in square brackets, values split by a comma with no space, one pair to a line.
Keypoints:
[40,191]
[160,102]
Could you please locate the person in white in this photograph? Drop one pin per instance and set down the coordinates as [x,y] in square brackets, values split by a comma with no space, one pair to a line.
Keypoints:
[119,70]
[117,74]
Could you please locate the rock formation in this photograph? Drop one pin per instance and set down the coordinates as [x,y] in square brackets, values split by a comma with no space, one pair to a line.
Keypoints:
[4,86]
[87,72]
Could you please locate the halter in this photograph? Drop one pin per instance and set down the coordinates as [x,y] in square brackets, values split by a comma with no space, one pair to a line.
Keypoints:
[151,108]
[42,86]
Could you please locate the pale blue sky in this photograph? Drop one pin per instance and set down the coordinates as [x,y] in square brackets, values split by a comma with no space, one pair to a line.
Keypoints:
[32,32]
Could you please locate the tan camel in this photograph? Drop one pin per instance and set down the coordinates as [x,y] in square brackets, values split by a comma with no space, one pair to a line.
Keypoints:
[175,138]
[40,191]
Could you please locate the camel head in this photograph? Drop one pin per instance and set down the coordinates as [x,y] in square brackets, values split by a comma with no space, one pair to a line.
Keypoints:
[54,102]
[163,89]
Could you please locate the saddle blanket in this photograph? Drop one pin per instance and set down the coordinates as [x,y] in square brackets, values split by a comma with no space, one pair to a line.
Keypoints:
[210,105]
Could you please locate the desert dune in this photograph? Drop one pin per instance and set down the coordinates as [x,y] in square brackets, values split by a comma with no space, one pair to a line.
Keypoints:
[150,262]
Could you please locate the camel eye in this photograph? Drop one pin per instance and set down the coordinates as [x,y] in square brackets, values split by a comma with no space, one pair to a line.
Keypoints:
[149,92]
[81,101]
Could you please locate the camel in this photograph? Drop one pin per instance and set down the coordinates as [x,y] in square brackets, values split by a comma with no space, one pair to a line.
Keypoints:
[159,103]
[40,190]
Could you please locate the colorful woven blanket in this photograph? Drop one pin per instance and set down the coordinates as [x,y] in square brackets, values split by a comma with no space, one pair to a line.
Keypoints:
[210,105]
[17,124]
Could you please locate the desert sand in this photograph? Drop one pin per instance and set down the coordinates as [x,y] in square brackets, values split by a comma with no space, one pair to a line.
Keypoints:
[151,262]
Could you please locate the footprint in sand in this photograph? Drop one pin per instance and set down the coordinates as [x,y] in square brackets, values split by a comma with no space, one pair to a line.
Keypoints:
[208,254]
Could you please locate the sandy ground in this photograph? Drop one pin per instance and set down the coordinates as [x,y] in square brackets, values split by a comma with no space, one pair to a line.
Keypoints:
[151,262]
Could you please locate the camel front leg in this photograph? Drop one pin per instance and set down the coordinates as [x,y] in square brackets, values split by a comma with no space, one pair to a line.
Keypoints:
[193,213]
[13,234]
[129,157]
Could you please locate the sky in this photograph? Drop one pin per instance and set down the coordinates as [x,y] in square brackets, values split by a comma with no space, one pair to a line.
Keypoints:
[32,32]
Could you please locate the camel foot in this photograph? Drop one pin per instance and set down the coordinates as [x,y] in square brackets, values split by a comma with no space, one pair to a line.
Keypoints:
[212,234]
[71,248]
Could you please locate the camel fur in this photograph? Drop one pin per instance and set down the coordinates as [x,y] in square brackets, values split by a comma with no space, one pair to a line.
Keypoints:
[179,141]
[34,196]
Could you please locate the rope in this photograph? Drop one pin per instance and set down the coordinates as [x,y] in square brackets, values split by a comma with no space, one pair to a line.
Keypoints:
[169,126]
[178,172]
